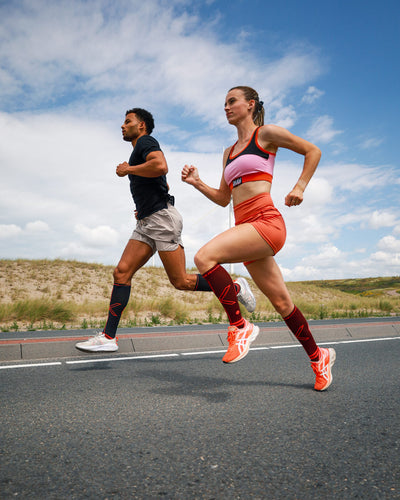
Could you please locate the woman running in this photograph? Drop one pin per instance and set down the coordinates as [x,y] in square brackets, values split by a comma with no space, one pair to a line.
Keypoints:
[259,231]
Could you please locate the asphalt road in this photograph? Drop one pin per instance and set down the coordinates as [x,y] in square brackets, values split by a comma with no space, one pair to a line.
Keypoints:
[190,427]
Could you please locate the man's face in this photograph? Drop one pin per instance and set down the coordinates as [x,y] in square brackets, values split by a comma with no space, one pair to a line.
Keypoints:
[132,127]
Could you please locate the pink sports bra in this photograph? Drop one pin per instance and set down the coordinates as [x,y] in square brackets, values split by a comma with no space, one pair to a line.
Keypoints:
[253,163]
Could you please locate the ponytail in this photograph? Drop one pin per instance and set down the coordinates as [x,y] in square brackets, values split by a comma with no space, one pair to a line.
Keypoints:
[259,113]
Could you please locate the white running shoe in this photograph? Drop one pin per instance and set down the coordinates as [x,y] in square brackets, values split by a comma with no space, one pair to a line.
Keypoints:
[245,296]
[98,343]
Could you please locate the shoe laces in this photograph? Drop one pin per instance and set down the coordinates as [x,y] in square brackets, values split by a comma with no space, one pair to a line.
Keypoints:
[321,367]
[232,330]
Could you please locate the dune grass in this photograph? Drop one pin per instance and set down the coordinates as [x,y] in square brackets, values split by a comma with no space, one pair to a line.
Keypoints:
[58,294]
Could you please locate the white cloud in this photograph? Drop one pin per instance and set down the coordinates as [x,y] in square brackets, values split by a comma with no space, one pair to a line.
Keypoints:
[37,227]
[9,230]
[389,244]
[320,192]
[370,143]
[98,236]
[354,218]
[382,218]
[312,94]
[285,117]
[12,230]
[356,177]
[388,261]
[75,250]
[303,228]
[329,255]
[322,131]
[300,273]
[70,174]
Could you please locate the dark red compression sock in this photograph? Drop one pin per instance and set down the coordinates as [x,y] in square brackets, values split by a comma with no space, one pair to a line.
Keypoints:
[223,287]
[298,325]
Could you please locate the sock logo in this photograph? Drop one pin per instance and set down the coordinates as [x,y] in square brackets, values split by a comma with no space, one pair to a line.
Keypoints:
[299,332]
[224,293]
[112,306]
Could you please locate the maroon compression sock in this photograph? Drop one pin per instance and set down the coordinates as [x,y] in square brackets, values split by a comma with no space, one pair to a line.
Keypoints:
[224,288]
[297,323]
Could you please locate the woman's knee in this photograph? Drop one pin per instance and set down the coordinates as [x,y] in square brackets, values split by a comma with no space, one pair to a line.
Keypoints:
[203,260]
[197,260]
[283,306]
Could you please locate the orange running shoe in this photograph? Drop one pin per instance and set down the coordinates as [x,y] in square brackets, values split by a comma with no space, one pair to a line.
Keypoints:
[239,341]
[323,368]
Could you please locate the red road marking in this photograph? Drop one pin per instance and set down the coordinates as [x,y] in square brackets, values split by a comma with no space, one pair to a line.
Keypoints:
[177,334]
[122,336]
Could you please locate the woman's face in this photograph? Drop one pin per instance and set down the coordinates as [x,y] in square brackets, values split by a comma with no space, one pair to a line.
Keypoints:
[236,106]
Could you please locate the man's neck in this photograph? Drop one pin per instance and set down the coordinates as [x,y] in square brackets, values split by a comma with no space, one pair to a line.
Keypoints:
[137,138]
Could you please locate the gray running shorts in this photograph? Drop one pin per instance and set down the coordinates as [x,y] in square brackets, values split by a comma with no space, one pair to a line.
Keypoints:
[161,231]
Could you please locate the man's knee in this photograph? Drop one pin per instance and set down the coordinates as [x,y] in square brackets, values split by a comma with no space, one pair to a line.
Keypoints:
[180,282]
[117,275]
[122,275]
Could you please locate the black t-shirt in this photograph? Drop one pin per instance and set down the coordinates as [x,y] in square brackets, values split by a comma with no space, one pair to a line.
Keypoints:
[150,194]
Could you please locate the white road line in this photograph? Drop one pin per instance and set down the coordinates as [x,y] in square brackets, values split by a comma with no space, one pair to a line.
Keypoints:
[104,360]
[177,355]
[356,341]
[284,346]
[30,365]
[196,353]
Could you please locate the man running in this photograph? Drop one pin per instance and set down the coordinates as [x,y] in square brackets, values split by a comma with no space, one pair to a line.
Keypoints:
[158,228]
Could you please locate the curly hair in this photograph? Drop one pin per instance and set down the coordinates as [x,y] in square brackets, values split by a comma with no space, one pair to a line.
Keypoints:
[144,116]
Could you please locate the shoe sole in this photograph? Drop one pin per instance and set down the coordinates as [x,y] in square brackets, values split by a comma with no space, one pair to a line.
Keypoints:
[96,349]
[252,338]
[332,359]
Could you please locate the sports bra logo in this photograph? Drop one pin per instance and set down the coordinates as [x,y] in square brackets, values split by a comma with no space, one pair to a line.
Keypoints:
[237,182]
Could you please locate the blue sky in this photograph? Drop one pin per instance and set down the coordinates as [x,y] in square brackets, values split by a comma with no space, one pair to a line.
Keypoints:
[328,71]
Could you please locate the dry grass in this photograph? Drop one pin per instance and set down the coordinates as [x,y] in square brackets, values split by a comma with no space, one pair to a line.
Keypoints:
[57,294]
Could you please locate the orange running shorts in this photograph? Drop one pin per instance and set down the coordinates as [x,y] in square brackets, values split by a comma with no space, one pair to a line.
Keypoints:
[261,213]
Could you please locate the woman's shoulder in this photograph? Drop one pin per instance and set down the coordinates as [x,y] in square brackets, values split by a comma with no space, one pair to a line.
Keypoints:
[271,129]
[269,137]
